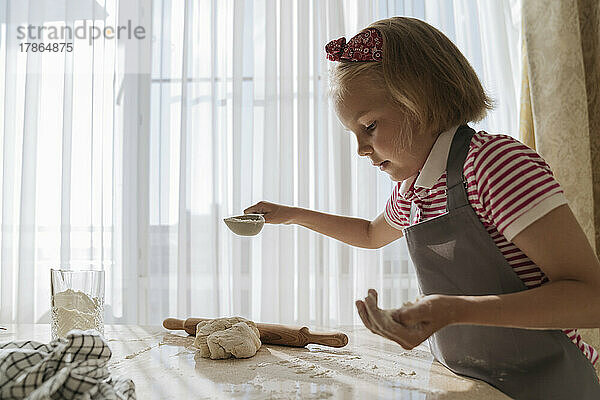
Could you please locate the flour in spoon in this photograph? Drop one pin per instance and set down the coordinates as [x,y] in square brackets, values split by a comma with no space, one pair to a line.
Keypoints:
[247,220]
[75,310]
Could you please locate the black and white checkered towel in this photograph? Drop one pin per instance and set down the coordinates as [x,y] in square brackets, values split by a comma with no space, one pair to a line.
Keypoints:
[70,368]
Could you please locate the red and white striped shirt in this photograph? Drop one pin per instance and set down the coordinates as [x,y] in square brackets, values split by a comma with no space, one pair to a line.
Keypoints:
[509,186]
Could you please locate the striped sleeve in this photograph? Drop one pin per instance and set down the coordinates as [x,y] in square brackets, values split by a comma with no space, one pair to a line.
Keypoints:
[395,213]
[514,184]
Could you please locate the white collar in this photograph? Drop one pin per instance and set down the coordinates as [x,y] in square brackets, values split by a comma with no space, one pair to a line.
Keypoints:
[435,165]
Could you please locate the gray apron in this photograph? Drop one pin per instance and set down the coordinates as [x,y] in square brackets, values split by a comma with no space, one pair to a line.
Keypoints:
[453,254]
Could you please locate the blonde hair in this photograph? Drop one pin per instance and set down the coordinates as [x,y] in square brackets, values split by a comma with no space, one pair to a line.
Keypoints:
[423,73]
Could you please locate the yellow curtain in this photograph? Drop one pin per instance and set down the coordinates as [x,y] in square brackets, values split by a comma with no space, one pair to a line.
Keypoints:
[526,133]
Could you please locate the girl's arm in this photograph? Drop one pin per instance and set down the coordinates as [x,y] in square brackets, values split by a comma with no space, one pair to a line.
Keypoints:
[353,231]
[555,243]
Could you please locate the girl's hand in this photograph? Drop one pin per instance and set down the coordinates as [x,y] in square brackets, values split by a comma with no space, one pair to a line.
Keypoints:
[273,213]
[408,326]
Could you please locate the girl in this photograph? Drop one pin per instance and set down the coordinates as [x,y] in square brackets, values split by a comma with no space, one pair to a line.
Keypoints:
[494,243]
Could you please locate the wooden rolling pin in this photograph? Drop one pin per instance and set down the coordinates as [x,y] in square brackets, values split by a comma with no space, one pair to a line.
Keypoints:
[272,333]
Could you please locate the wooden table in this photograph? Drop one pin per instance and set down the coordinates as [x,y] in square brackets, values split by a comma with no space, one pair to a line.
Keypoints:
[163,366]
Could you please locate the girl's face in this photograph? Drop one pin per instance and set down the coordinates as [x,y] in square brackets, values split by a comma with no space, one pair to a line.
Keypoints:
[378,127]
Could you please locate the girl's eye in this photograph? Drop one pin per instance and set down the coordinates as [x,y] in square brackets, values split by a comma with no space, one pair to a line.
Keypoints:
[371,127]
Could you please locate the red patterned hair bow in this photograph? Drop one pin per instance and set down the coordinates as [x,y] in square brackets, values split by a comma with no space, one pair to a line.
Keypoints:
[365,46]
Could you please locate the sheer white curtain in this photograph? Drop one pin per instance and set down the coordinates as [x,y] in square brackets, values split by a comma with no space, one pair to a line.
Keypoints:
[234,111]
[258,127]
[66,146]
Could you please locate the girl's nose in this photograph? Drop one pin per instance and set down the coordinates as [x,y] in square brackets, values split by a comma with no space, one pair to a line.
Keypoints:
[364,149]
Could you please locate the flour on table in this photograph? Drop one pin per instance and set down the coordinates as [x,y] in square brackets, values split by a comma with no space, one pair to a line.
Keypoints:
[227,337]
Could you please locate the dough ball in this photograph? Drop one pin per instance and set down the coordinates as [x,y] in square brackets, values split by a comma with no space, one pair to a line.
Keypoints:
[205,328]
[222,347]
[239,341]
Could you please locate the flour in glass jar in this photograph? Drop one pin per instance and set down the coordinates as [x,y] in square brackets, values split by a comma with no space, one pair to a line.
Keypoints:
[75,310]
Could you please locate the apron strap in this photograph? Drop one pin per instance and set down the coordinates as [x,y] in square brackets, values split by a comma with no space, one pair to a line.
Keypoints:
[456,191]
